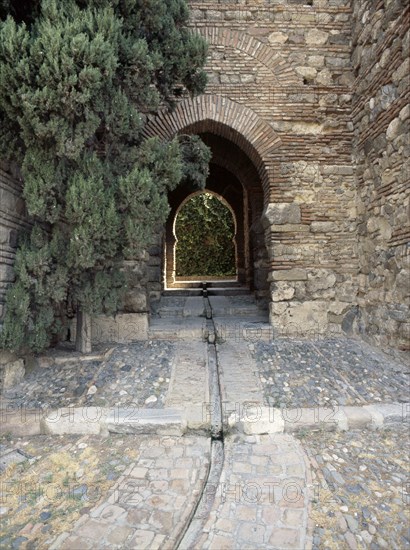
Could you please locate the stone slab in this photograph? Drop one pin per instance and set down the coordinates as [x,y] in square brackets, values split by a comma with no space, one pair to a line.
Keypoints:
[123,328]
[146,421]
[310,419]
[73,420]
[257,420]
[20,423]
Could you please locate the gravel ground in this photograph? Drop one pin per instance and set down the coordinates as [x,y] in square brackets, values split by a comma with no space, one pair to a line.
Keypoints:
[60,479]
[361,488]
[305,373]
[134,375]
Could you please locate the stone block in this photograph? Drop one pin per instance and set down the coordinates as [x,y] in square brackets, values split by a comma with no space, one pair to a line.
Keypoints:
[307,72]
[146,421]
[70,420]
[389,413]
[6,273]
[357,417]
[154,273]
[307,318]
[278,308]
[195,418]
[258,420]
[320,279]
[4,235]
[316,37]
[280,214]
[306,128]
[7,357]
[83,333]
[20,424]
[312,419]
[296,274]
[337,169]
[323,227]
[289,228]
[123,328]
[14,372]
[278,38]
[394,129]
[282,291]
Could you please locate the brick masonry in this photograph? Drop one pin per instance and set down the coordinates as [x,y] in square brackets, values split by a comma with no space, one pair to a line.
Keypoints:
[306,116]
[12,221]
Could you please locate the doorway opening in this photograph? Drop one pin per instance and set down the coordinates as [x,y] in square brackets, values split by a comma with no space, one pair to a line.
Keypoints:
[205,243]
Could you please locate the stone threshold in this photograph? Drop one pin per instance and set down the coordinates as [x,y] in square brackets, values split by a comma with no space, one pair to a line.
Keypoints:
[253,420]
[256,419]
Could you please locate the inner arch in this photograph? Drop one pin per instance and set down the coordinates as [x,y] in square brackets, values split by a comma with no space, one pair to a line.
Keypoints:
[205,229]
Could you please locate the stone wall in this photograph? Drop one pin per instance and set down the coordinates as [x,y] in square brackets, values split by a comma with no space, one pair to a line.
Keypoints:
[381,152]
[288,63]
[12,220]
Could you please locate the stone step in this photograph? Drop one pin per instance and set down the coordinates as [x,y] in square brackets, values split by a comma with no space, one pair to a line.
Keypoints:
[190,328]
[249,328]
[229,291]
[182,292]
[227,283]
[225,306]
[145,421]
[181,306]
[212,291]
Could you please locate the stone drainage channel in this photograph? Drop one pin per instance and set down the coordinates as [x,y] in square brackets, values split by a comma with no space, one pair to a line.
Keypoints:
[201,512]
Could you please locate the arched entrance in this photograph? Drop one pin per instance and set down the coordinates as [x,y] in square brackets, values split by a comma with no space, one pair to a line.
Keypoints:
[244,154]
[205,239]
[234,179]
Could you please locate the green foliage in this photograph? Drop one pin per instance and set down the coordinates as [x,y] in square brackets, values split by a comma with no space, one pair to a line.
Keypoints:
[77,80]
[196,159]
[205,231]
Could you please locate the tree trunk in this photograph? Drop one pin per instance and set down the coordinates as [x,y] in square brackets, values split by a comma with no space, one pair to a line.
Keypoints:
[83,336]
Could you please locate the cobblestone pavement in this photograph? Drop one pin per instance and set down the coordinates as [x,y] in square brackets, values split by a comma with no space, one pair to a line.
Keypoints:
[330,489]
[135,374]
[89,492]
[189,380]
[305,373]
[262,498]
[238,375]
[361,483]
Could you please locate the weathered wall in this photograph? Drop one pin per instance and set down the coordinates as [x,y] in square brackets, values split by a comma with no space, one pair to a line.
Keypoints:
[289,63]
[12,220]
[381,152]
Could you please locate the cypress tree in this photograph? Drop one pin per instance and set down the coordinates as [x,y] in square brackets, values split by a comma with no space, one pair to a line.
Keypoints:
[78,80]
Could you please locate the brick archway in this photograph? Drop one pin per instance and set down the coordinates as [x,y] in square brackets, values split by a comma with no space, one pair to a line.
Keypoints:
[283,73]
[234,127]
[221,116]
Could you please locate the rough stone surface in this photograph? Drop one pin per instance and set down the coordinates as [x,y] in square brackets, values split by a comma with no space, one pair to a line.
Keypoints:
[125,379]
[381,162]
[337,372]
[359,485]
[12,373]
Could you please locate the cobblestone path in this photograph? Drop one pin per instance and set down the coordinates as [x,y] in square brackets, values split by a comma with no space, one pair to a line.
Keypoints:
[305,373]
[314,490]
[150,503]
[262,498]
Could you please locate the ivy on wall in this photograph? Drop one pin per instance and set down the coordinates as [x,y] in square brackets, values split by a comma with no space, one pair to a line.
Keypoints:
[205,230]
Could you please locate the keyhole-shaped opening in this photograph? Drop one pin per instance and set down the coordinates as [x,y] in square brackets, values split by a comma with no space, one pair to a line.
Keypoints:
[205,229]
